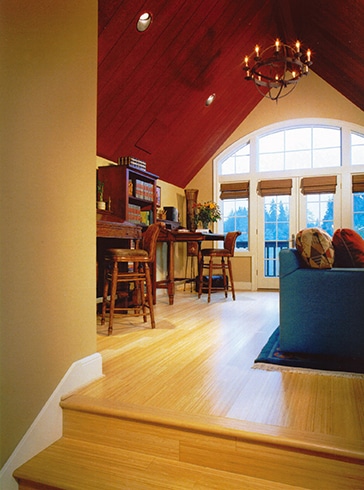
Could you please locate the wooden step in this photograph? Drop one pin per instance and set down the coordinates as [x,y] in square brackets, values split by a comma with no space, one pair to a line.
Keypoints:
[272,453]
[112,446]
[162,416]
[78,465]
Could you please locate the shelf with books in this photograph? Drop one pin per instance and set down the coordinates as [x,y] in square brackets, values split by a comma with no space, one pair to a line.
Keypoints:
[131,192]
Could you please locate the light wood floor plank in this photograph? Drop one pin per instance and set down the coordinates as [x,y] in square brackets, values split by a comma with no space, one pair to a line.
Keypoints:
[199,360]
[181,407]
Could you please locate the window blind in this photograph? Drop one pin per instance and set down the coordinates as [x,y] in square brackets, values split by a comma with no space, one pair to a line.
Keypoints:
[325,184]
[234,190]
[281,187]
[358,182]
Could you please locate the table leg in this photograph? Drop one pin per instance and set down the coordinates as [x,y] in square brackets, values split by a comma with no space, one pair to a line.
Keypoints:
[199,269]
[170,278]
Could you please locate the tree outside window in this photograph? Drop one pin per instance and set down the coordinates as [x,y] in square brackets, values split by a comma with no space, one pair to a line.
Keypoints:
[358,213]
[320,212]
[235,214]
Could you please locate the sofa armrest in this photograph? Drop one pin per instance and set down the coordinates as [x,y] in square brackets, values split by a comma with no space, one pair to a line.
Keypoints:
[289,261]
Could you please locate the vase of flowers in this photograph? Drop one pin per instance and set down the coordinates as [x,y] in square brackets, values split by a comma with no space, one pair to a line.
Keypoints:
[206,212]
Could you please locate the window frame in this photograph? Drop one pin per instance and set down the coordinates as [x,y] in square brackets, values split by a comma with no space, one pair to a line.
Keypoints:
[344,207]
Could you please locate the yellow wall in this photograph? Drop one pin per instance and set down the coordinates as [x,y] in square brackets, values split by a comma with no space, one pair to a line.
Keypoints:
[47,198]
[312,98]
[172,195]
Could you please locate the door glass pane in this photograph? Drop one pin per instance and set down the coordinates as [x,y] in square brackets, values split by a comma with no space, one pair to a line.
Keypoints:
[358,213]
[320,212]
[276,232]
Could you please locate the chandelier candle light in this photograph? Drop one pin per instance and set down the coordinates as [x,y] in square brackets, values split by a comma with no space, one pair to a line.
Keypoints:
[277,69]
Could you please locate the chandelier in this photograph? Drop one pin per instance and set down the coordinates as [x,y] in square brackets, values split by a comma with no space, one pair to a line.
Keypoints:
[277,69]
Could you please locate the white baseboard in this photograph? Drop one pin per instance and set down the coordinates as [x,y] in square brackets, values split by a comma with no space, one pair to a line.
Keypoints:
[47,427]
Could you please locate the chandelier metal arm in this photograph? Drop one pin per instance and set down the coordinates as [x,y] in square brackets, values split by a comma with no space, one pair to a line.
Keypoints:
[281,69]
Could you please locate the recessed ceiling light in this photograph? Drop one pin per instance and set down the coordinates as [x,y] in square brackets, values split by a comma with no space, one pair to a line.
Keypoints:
[210,99]
[144,21]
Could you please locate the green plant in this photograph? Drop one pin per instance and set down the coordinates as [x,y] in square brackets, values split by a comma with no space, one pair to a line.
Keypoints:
[100,190]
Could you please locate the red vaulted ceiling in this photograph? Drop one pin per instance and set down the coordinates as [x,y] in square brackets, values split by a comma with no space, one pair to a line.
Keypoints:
[152,86]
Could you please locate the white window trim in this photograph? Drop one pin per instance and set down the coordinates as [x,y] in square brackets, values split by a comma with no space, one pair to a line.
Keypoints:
[344,171]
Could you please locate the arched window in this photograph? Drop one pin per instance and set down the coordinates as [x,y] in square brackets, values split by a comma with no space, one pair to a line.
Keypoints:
[357,149]
[296,150]
[302,147]
[238,162]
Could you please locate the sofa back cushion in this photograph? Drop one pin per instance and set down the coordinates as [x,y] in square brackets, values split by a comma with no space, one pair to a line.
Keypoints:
[349,248]
[316,248]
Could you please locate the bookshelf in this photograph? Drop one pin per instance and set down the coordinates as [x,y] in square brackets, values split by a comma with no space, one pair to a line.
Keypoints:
[131,193]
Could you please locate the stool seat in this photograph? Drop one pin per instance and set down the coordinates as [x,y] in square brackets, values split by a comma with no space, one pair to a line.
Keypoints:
[223,266]
[216,252]
[128,254]
[135,278]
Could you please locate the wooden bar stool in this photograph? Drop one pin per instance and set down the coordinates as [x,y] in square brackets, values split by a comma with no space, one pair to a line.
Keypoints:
[206,262]
[130,267]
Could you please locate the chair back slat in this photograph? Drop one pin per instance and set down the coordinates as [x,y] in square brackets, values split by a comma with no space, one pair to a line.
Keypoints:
[230,240]
[149,240]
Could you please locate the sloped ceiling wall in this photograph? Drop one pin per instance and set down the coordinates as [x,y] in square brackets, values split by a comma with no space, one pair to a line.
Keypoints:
[152,86]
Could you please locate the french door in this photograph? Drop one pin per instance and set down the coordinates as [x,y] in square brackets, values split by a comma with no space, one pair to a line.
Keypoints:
[277,224]
[279,219]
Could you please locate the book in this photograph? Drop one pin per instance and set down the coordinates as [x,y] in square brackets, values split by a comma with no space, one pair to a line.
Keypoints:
[132,162]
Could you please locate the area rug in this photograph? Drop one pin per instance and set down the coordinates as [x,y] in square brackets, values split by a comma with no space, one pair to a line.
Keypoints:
[272,358]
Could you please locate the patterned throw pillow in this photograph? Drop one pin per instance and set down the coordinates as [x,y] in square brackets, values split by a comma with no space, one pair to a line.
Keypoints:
[316,248]
[349,248]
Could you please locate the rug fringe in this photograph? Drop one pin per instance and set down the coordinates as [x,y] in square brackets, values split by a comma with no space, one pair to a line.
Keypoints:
[290,369]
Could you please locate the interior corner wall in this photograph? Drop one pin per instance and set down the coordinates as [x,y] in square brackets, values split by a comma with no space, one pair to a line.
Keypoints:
[47,195]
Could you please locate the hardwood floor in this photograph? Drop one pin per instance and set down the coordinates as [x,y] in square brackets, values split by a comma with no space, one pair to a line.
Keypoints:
[199,361]
[180,407]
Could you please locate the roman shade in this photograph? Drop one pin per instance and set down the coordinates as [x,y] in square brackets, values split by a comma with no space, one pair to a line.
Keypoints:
[234,190]
[325,184]
[281,187]
[358,183]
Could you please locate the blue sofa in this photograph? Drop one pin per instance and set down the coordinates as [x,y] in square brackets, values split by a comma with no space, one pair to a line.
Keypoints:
[321,310]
